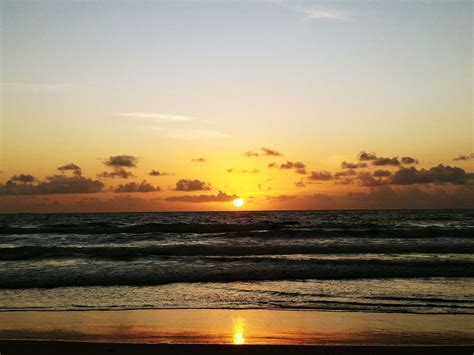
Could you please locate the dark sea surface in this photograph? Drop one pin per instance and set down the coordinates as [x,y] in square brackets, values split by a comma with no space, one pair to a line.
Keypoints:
[407,261]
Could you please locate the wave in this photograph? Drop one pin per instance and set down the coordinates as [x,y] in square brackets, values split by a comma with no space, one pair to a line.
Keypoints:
[132,252]
[187,271]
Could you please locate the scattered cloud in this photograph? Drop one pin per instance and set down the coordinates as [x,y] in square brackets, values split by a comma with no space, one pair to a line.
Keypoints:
[381,173]
[464,157]
[440,174]
[298,166]
[347,165]
[124,161]
[220,197]
[117,172]
[263,152]
[366,179]
[230,170]
[199,160]
[76,170]
[408,160]
[345,173]
[382,161]
[159,173]
[22,178]
[137,187]
[364,156]
[56,184]
[272,165]
[192,185]
[320,176]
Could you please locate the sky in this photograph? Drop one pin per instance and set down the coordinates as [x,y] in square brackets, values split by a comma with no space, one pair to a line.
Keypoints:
[181,106]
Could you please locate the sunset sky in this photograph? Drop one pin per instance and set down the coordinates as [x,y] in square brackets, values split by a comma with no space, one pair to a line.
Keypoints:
[164,106]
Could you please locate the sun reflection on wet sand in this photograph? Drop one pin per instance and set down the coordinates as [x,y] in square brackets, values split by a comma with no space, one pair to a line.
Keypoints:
[238,338]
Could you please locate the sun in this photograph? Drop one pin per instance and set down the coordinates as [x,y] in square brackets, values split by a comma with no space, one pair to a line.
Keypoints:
[238,202]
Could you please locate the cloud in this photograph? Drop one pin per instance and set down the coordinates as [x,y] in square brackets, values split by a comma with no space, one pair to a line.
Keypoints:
[381,173]
[464,157]
[192,185]
[263,152]
[199,160]
[408,160]
[298,166]
[76,170]
[56,184]
[349,172]
[23,178]
[272,165]
[347,165]
[137,187]
[320,197]
[300,184]
[230,170]
[281,198]
[270,152]
[118,172]
[320,176]
[125,161]
[440,174]
[220,197]
[364,156]
[157,116]
[159,173]
[318,14]
[253,171]
[382,161]
[366,179]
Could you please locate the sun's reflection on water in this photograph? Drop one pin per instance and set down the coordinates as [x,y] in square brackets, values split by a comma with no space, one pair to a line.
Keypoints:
[238,337]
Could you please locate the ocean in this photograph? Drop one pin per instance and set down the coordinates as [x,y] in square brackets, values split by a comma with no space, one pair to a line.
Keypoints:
[398,261]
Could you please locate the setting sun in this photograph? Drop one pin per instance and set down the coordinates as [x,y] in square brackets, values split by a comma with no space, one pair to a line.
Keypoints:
[238,202]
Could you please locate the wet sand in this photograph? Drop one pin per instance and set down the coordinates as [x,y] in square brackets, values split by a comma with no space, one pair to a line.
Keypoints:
[211,332]
[53,348]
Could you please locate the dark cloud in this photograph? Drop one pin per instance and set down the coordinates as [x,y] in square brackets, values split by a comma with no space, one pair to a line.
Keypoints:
[117,173]
[464,157]
[347,165]
[382,161]
[125,161]
[270,152]
[440,174]
[364,156]
[199,160]
[192,185]
[349,172]
[23,178]
[56,184]
[231,170]
[297,165]
[366,179]
[272,165]
[264,152]
[137,187]
[76,170]
[381,173]
[320,176]
[408,160]
[220,197]
[158,173]
[320,197]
